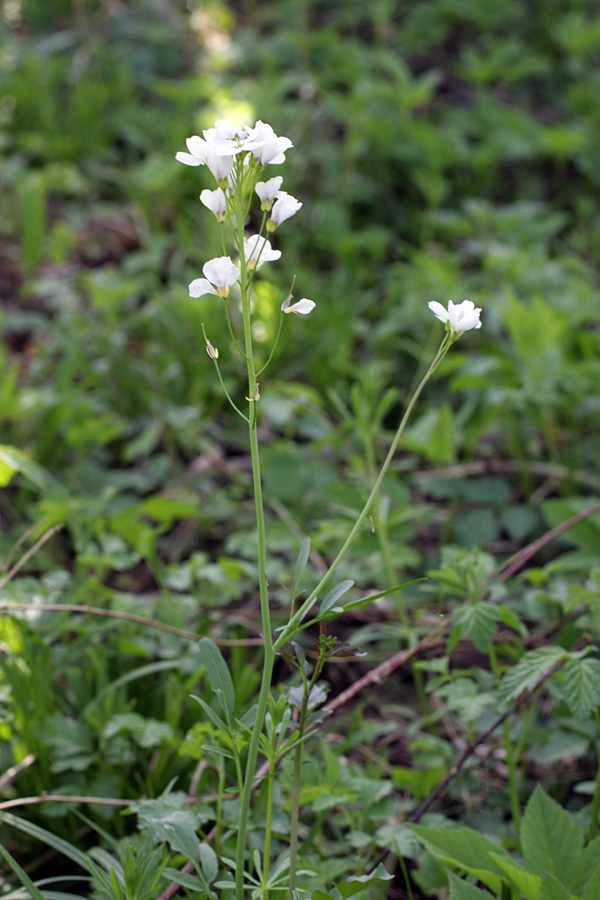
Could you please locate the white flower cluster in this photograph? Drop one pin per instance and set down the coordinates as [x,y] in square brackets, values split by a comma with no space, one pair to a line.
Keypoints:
[227,150]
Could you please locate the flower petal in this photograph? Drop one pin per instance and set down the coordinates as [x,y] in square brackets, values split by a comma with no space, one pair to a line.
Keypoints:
[199,287]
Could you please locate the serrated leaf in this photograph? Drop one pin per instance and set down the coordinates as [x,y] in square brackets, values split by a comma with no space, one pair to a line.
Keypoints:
[552,889]
[524,881]
[511,619]
[331,598]
[477,622]
[580,686]
[300,566]
[218,674]
[528,671]
[462,890]
[592,888]
[468,850]
[551,840]
[588,864]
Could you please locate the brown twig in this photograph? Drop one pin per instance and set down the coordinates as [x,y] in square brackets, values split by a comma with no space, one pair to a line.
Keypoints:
[518,560]
[13,773]
[441,787]
[27,556]
[127,617]
[63,798]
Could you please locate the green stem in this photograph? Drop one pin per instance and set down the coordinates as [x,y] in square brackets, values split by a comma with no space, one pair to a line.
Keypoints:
[290,629]
[295,816]
[268,830]
[513,787]
[269,656]
[596,799]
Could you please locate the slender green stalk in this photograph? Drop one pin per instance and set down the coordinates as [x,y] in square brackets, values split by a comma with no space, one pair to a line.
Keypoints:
[268,829]
[269,656]
[595,811]
[297,617]
[295,816]
[513,787]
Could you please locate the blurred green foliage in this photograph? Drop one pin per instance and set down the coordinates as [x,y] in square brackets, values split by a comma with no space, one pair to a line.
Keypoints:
[443,149]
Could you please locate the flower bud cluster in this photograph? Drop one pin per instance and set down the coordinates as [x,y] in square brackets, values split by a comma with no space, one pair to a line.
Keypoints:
[235,155]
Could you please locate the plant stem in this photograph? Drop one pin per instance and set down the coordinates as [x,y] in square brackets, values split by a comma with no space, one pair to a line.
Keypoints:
[290,629]
[595,812]
[269,656]
[268,829]
[513,787]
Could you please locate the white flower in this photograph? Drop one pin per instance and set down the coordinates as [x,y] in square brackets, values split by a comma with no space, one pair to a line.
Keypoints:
[301,307]
[459,317]
[202,153]
[220,273]
[216,202]
[267,191]
[258,250]
[212,351]
[284,207]
[269,148]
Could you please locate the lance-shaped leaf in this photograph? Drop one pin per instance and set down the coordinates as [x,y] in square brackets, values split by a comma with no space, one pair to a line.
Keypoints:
[301,564]
[218,674]
[331,598]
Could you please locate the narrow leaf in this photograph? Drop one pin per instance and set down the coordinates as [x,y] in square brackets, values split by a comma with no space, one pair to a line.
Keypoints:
[51,840]
[218,674]
[21,874]
[301,562]
[182,878]
[331,598]
[209,862]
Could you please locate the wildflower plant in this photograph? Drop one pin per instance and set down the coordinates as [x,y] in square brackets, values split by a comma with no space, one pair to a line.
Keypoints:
[237,156]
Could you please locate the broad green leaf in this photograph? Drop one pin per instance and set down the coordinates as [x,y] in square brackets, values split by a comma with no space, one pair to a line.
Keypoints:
[332,597]
[511,619]
[301,562]
[13,461]
[468,850]
[580,686]
[462,890]
[588,865]
[550,838]
[524,881]
[477,623]
[218,674]
[552,889]
[528,671]
[209,861]
[592,887]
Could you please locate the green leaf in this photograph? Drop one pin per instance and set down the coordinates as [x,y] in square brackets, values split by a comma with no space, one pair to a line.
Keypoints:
[524,881]
[51,840]
[218,674]
[462,890]
[528,671]
[212,715]
[331,598]
[301,562]
[23,877]
[588,867]
[355,885]
[13,461]
[185,880]
[468,850]
[551,840]
[209,861]
[552,889]
[511,619]
[580,686]
[477,623]
[592,887]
